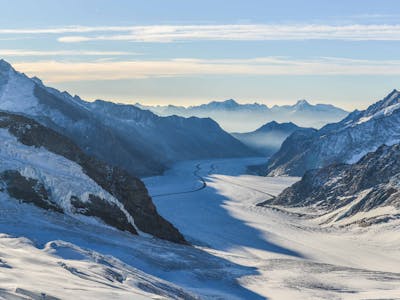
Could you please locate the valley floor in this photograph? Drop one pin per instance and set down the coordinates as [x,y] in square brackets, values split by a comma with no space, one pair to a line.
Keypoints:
[241,251]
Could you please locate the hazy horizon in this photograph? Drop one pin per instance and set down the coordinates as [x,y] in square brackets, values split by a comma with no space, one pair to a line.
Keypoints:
[160,53]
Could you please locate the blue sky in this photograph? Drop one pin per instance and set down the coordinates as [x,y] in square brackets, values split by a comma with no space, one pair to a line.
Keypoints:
[189,52]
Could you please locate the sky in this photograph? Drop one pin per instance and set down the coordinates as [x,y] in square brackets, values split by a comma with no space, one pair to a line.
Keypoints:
[185,52]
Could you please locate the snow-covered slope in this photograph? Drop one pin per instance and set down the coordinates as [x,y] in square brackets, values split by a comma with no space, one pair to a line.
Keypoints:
[365,193]
[268,138]
[235,117]
[346,141]
[62,270]
[122,135]
[42,167]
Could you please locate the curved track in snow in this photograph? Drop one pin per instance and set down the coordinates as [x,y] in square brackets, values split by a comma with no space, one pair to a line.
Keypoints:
[196,174]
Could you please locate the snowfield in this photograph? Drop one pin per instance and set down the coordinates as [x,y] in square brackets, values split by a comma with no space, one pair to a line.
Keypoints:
[241,251]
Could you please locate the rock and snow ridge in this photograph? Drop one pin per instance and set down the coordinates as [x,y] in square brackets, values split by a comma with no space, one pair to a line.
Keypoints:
[343,142]
[365,193]
[40,166]
[121,135]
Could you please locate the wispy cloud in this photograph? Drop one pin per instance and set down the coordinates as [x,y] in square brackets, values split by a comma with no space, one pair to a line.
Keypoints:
[240,32]
[244,33]
[54,71]
[65,29]
[23,52]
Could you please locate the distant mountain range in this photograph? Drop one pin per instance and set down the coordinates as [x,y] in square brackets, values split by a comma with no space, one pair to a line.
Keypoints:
[363,193]
[235,117]
[343,142]
[121,135]
[268,138]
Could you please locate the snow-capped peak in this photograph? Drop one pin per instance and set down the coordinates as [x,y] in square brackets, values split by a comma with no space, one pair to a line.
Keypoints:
[391,99]
[302,104]
[16,90]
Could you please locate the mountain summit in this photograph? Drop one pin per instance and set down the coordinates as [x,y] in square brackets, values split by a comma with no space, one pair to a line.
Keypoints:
[302,104]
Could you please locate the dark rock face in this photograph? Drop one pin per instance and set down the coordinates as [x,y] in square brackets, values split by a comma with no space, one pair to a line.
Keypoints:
[376,175]
[27,190]
[110,213]
[343,142]
[130,191]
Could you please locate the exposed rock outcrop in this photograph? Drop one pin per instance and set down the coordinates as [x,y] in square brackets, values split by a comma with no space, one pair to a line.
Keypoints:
[27,190]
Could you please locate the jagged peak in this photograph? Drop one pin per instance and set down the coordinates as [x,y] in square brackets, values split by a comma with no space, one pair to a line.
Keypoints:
[393,95]
[302,102]
[391,99]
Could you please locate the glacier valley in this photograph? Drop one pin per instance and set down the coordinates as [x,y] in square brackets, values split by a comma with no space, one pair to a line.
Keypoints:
[240,250]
